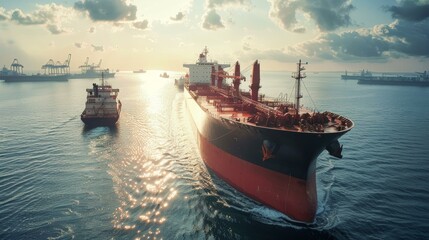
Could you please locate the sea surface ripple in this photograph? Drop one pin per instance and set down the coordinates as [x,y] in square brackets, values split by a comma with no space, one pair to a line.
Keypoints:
[144,178]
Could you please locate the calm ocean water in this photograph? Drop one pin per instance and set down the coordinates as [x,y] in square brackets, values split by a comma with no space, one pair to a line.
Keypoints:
[144,179]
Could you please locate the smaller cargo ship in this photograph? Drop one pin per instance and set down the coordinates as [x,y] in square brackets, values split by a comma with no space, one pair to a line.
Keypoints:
[102,107]
[355,76]
[164,75]
[180,82]
[139,71]
[92,71]
[16,74]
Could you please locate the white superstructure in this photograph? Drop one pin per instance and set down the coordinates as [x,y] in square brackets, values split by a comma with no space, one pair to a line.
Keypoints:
[101,100]
[201,71]
[102,106]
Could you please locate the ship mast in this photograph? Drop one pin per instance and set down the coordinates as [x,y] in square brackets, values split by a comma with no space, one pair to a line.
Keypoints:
[102,79]
[205,51]
[298,75]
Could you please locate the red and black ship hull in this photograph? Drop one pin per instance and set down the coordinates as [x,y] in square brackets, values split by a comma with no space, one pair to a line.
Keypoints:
[275,167]
[99,121]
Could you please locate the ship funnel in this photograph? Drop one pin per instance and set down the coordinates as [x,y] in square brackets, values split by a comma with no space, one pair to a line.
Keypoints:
[237,69]
[256,78]
[219,77]
[237,76]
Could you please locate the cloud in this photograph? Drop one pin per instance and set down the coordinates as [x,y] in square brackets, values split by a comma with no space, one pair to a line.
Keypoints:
[398,39]
[179,16]
[409,38]
[107,10]
[49,15]
[410,10]
[97,48]
[141,25]
[299,30]
[212,20]
[3,14]
[223,3]
[346,46]
[54,29]
[19,17]
[328,15]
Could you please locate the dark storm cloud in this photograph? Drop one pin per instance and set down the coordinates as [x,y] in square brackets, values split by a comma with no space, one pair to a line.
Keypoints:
[328,15]
[406,37]
[212,20]
[179,16]
[346,46]
[141,25]
[410,10]
[107,10]
[400,38]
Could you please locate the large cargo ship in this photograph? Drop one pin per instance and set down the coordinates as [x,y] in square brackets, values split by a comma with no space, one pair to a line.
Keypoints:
[366,77]
[264,148]
[422,79]
[16,74]
[92,71]
[102,108]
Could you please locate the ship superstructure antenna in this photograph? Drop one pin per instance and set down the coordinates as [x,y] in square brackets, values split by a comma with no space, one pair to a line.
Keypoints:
[205,51]
[298,75]
[102,79]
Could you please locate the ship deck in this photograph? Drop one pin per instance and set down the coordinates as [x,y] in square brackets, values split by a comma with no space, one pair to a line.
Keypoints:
[223,104]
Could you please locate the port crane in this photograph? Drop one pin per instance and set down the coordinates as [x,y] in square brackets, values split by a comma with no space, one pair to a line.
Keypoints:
[17,67]
[57,68]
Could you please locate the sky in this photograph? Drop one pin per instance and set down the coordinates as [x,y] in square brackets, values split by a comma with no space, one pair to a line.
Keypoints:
[332,35]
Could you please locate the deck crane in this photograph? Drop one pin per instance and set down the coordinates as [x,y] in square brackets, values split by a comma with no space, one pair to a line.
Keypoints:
[236,78]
